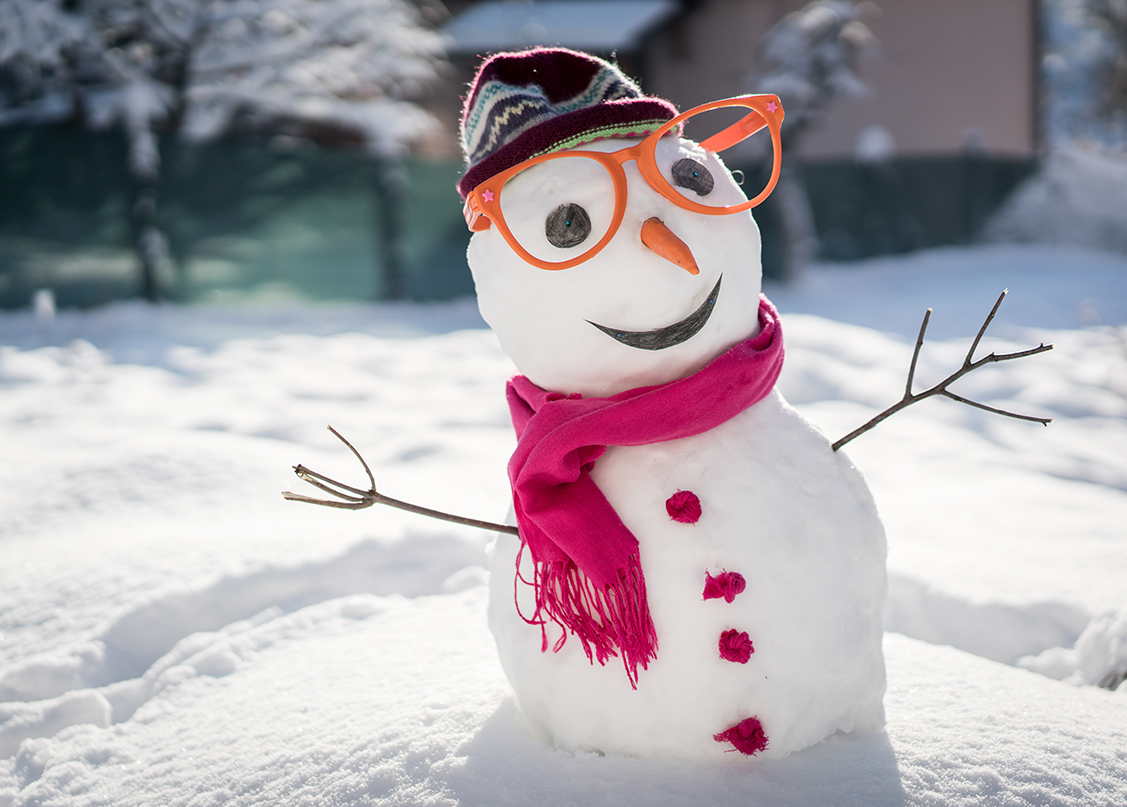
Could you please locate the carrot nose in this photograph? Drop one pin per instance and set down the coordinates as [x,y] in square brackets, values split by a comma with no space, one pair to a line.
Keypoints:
[661,240]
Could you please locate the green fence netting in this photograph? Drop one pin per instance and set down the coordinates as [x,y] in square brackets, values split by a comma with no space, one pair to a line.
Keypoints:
[274,218]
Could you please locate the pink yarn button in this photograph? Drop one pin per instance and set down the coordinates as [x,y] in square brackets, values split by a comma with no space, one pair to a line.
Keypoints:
[736,646]
[747,736]
[725,584]
[683,506]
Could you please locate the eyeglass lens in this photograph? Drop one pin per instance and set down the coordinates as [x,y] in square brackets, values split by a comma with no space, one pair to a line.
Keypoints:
[559,208]
[562,207]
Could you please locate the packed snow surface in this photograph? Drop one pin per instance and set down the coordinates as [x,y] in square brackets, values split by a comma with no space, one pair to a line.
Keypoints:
[175,633]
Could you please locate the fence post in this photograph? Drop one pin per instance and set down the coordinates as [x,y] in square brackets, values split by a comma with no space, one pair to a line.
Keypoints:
[391,191]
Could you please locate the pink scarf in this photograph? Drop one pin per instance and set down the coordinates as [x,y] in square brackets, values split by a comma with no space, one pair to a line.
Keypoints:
[588,577]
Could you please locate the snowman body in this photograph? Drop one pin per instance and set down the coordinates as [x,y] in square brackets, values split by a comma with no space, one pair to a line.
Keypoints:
[807,539]
[778,507]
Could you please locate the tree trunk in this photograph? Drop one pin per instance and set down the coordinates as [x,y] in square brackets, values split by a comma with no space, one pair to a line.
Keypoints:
[800,239]
[148,240]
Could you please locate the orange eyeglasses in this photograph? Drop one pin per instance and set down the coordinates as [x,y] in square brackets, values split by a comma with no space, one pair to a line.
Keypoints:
[571,207]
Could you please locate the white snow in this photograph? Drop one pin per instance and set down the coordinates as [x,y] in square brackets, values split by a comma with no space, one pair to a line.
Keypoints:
[172,632]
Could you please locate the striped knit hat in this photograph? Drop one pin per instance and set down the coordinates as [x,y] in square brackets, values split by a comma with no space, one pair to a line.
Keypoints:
[525,104]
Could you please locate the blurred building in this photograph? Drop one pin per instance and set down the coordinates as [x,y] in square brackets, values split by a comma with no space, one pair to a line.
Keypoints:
[947,76]
[949,124]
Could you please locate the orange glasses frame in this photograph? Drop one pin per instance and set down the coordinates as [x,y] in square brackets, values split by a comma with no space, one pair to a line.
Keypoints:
[483,205]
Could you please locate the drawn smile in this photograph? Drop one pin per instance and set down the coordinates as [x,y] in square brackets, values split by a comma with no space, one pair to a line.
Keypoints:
[670,335]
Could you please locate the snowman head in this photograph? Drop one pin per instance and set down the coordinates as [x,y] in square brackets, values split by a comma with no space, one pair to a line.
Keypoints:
[612,248]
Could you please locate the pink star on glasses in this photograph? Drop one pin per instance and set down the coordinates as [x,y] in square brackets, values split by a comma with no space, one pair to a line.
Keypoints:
[772,107]
[487,196]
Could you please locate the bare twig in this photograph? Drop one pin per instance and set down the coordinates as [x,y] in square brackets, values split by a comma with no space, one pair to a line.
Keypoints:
[969,365]
[350,498]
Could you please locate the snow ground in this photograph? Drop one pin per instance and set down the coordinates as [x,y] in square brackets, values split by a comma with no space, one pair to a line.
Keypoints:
[172,632]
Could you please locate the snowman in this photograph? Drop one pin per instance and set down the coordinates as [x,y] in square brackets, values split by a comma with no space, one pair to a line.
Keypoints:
[697,574]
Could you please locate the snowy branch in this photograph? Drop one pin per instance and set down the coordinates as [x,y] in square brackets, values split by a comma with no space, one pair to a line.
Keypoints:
[353,67]
[811,57]
[969,365]
[347,497]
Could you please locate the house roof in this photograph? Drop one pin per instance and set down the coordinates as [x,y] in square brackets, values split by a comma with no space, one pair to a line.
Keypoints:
[601,26]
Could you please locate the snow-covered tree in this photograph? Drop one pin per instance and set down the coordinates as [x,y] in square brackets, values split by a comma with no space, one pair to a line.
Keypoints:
[332,69]
[345,64]
[1085,73]
[809,59]
[1110,18]
[40,42]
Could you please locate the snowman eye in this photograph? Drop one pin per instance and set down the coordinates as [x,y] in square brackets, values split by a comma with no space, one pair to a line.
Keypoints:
[694,176]
[567,226]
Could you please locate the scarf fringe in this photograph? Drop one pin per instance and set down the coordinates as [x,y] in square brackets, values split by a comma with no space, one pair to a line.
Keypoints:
[609,620]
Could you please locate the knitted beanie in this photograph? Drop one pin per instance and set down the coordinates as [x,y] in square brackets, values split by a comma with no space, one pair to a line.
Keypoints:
[534,102]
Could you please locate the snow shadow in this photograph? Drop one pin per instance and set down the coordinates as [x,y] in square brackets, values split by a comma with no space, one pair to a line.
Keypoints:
[136,639]
[996,631]
[106,679]
[507,763]
[411,567]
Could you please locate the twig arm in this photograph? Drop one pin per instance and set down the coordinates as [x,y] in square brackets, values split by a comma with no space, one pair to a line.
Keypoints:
[915,357]
[969,365]
[350,498]
[985,325]
[993,357]
[426,511]
[305,476]
[355,453]
[977,405]
[887,413]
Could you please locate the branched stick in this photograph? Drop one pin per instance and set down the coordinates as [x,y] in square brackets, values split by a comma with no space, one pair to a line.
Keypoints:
[350,498]
[969,365]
